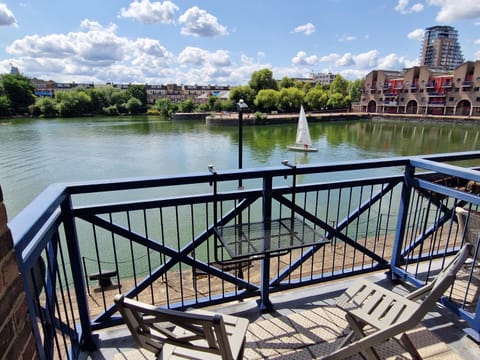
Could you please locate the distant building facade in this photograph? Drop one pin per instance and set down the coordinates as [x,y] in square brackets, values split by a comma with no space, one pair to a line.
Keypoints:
[421,90]
[441,49]
[323,78]
[175,93]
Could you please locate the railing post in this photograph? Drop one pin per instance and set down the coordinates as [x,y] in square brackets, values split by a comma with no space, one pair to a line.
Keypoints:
[87,340]
[402,220]
[265,303]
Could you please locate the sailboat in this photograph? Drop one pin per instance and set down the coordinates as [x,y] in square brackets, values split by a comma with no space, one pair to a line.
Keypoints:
[303,142]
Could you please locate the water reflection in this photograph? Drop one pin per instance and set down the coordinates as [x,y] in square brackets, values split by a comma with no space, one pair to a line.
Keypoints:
[37,153]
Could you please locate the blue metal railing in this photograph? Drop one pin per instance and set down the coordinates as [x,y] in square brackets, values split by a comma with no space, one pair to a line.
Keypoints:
[156,239]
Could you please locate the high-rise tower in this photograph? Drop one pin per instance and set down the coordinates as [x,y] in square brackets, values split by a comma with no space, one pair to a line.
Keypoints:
[441,48]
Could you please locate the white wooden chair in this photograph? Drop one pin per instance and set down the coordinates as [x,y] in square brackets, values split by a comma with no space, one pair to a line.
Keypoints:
[388,313]
[175,334]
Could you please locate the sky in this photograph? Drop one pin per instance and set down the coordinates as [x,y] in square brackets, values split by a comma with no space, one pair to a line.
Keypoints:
[221,42]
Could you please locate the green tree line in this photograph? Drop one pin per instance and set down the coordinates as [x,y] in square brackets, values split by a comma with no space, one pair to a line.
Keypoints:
[262,93]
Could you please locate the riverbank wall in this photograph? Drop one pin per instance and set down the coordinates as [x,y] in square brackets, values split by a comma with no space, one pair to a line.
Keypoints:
[274,119]
[231,119]
[251,119]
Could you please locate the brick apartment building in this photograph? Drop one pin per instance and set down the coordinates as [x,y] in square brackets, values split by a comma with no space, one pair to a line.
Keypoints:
[423,90]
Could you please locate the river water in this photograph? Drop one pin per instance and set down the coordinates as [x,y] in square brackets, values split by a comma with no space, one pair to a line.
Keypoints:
[35,153]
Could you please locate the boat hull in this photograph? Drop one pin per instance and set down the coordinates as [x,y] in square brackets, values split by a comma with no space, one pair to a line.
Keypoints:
[302,148]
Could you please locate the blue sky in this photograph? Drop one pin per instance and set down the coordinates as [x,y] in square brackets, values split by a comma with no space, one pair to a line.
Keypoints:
[220,41]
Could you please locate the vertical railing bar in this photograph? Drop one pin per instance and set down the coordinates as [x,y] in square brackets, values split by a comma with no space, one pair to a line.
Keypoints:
[62,258]
[367,226]
[346,229]
[357,228]
[115,255]
[87,341]
[207,224]
[56,305]
[132,252]
[97,253]
[167,292]
[149,260]
[69,323]
[402,217]
[332,242]
[411,232]
[50,310]
[313,255]
[194,252]
[179,246]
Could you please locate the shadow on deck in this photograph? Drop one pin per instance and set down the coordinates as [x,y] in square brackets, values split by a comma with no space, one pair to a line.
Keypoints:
[305,324]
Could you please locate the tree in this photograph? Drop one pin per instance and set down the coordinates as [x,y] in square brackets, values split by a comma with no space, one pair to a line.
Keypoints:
[262,79]
[290,99]
[134,106]
[338,101]
[267,99]
[316,99]
[47,106]
[4,106]
[74,103]
[286,82]
[186,106]
[244,92]
[164,106]
[339,85]
[139,92]
[355,89]
[19,91]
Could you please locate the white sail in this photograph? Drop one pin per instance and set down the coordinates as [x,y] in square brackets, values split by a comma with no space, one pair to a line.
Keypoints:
[303,134]
[303,142]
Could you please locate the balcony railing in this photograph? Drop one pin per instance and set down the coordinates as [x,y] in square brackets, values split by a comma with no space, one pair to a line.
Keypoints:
[157,239]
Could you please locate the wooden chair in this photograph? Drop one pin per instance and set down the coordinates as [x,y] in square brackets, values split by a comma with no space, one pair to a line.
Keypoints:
[388,313]
[190,335]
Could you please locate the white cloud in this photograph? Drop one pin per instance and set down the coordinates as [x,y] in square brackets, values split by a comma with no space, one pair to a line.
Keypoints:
[477,42]
[345,60]
[6,16]
[416,34]
[150,12]
[307,29]
[477,55]
[198,22]
[200,57]
[330,57]
[454,10]
[395,62]
[96,54]
[301,58]
[402,7]
[347,38]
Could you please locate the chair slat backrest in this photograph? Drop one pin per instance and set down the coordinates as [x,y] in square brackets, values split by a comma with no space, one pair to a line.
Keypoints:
[152,327]
[437,287]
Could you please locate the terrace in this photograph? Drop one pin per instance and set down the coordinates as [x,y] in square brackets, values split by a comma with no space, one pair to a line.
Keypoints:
[168,241]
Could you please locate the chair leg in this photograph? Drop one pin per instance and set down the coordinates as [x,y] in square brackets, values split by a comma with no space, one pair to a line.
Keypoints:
[408,345]
[357,329]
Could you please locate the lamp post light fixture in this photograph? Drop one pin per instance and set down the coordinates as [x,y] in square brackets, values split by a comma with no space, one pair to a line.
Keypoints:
[241,106]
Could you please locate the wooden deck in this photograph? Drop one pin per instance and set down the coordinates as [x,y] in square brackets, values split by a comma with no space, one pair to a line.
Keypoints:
[305,324]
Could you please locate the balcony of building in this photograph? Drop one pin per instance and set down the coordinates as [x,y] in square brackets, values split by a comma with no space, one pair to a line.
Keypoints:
[467,84]
[277,250]
[436,94]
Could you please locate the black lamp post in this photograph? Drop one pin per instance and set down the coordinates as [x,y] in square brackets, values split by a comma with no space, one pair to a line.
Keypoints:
[241,106]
